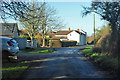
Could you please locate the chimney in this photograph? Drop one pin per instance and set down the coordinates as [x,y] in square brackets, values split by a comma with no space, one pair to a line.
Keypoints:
[69,28]
[78,30]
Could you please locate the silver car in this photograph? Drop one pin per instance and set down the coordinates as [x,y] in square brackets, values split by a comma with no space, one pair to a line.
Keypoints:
[9,45]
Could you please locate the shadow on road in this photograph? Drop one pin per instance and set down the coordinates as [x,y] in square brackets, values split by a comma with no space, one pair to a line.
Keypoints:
[65,63]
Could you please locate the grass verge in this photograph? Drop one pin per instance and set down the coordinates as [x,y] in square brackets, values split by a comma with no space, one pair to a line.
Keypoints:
[107,63]
[13,70]
[38,51]
[76,46]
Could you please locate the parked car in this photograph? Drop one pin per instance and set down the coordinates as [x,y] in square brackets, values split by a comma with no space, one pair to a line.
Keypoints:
[8,46]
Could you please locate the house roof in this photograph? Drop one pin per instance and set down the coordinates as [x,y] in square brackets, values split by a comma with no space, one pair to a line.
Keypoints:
[8,28]
[78,32]
[39,35]
[10,24]
[67,32]
[49,34]
[62,32]
[23,31]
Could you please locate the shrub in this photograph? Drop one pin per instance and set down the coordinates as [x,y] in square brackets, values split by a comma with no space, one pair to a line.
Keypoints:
[67,43]
[47,39]
[24,36]
[37,37]
[55,43]
[96,50]
[94,55]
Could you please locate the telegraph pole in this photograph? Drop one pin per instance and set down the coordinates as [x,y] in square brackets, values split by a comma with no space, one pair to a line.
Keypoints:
[94,28]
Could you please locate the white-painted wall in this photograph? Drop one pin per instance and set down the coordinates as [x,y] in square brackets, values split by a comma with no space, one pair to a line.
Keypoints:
[60,35]
[74,36]
[80,38]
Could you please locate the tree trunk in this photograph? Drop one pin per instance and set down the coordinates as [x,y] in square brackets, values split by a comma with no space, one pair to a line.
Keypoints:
[43,37]
[114,40]
[32,42]
[43,42]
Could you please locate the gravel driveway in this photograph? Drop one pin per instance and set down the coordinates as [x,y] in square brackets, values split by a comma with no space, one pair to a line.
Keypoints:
[65,63]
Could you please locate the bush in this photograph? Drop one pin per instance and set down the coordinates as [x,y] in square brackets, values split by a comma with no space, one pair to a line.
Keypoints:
[94,55]
[37,37]
[96,50]
[47,39]
[55,43]
[110,64]
[24,36]
[67,43]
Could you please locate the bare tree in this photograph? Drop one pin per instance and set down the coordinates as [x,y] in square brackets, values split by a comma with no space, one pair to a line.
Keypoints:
[49,21]
[26,13]
[34,17]
[31,25]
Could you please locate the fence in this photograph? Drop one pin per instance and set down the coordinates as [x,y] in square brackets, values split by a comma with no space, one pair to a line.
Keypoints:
[34,42]
[22,42]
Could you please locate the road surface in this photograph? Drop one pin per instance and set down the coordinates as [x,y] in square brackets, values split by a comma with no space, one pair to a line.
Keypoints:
[65,63]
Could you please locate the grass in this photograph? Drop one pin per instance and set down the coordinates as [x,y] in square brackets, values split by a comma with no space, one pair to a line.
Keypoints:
[87,51]
[38,51]
[13,70]
[105,62]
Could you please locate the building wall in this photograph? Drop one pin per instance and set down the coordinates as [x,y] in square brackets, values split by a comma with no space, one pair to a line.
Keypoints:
[82,39]
[22,43]
[74,36]
[60,35]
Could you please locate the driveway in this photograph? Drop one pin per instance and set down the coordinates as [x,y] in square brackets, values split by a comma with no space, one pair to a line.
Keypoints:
[65,63]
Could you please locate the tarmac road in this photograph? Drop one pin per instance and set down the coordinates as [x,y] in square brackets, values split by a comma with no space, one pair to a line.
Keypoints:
[65,63]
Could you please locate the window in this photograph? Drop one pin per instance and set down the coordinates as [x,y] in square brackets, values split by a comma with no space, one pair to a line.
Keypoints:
[13,41]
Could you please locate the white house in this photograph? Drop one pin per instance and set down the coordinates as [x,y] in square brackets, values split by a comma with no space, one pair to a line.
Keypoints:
[76,35]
